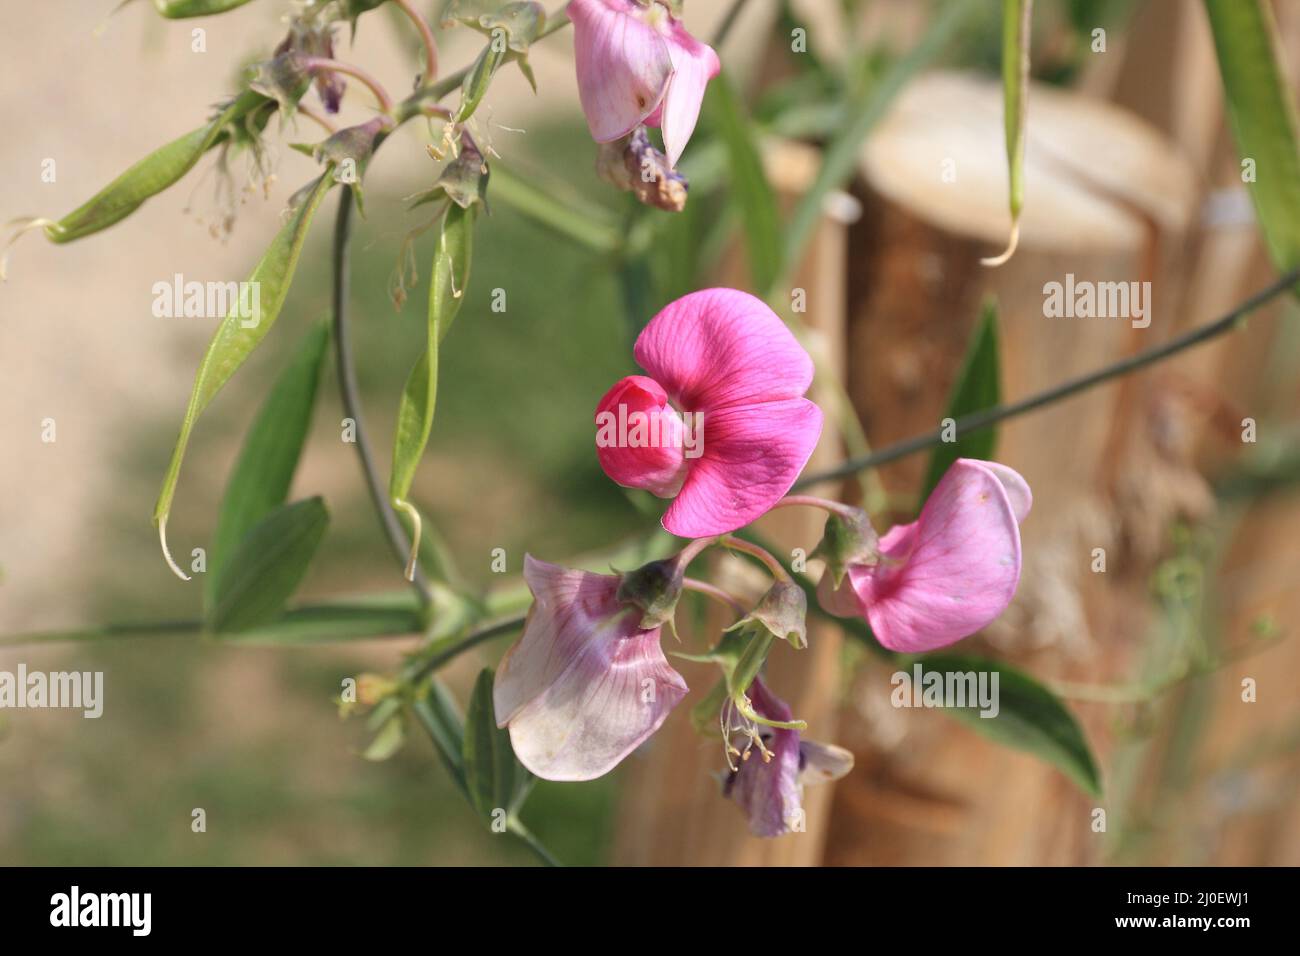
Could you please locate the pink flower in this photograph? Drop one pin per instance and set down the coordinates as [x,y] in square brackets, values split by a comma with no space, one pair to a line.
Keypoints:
[719,424]
[949,573]
[585,685]
[769,778]
[638,65]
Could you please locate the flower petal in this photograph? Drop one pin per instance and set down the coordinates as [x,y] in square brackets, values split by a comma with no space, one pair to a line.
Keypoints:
[570,609]
[623,66]
[949,573]
[752,455]
[721,347]
[822,763]
[613,695]
[1017,489]
[694,64]
[639,437]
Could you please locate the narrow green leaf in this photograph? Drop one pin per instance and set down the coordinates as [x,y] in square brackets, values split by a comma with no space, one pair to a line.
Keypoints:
[1029,717]
[184,9]
[151,175]
[583,222]
[1263,119]
[237,337]
[437,711]
[978,387]
[389,739]
[397,614]
[750,191]
[479,78]
[450,274]
[334,622]
[841,155]
[1017,20]
[260,480]
[492,773]
[268,566]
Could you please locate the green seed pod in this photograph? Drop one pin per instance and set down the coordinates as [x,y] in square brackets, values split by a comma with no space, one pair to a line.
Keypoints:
[184,9]
[151,175]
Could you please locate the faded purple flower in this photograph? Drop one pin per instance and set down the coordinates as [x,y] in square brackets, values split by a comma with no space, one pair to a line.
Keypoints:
[637,65]
[768,775]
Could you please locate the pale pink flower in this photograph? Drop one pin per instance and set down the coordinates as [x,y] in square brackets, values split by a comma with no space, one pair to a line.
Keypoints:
[949,573]
[726,359]
[585,685]
[638,65]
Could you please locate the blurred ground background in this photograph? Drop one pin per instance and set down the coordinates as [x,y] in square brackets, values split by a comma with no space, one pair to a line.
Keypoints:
[252,735]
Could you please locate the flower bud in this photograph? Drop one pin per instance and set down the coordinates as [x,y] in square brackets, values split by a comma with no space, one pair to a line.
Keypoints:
[847,540]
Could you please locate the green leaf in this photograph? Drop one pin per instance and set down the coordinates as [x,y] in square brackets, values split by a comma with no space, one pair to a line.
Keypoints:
[1017,21]
[268,566]
[389,739]
[436,710]
[479,78]
[262,475]
[494,777]
[977,388]
[750,191]
[333,622]
[184,9]
[151,175]
[237,337]
[841,156]
[451,264]
[570,216]
[1030,718]
[1263,119]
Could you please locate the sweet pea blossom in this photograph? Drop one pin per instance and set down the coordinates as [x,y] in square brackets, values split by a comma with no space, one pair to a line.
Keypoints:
[637,65]
[720,424]
[768,781]
[949,573]
[586,684]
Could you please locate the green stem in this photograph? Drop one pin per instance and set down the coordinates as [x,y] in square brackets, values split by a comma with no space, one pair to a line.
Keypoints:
[998,413]
[534,844]
[351,397]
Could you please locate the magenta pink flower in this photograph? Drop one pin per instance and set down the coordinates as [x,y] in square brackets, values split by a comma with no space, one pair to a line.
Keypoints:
[638,65]
[768,778]
[949,573]
[720,422]
[585,685]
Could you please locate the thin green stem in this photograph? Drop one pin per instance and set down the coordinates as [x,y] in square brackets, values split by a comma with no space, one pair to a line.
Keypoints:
[733,543]
[347,375]
[998,413]
[729,21]
[715,592]
[444,655]
[320,63]
[534,844]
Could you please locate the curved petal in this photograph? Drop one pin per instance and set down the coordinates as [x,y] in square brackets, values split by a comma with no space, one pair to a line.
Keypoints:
[694,64]
[639,437]
[840,601]
[721,347]
[822,763]
[611,697]
[1017,489]
[752,455]
[951,572]
[570,609]
[623,66]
